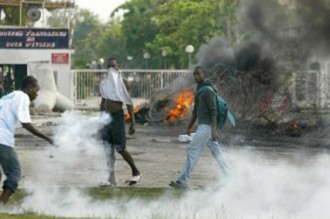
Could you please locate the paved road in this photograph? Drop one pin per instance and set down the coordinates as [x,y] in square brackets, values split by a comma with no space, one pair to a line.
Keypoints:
[155,148]
[271,177]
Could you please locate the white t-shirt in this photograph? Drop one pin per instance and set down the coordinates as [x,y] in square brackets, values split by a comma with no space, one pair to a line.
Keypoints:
[113,88]
[14,108]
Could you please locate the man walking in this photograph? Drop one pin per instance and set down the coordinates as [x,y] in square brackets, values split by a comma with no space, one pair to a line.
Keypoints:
[114,92]
[14,108]
[205,112]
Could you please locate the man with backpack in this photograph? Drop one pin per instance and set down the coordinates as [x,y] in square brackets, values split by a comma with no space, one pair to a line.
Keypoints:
[206,112]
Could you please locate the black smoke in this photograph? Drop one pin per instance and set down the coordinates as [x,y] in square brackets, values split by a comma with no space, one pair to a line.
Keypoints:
[278,39]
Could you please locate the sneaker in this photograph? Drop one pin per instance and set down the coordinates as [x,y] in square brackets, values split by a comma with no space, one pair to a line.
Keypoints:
[178,185]
[106,185]
[112,179]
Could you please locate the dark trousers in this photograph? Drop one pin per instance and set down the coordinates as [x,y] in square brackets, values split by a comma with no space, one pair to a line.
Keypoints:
[114,132]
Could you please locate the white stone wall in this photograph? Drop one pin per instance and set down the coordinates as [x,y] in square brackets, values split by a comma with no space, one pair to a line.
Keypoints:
[26,56]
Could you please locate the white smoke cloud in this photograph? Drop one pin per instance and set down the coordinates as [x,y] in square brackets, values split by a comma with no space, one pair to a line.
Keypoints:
[260,188]
[271,184]
[77,151]
[78,132]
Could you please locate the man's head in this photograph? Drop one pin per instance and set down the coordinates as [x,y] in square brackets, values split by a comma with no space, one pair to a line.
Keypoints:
[199,74]
[112,63]
[30,87]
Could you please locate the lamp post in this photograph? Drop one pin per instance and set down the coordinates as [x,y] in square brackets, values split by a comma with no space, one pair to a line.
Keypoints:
[129,59]
[146,56]
[189,50]
[164,54]
[100,64]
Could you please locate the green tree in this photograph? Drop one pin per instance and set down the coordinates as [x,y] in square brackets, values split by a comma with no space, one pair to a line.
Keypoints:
[58,19]
[157,25]
[195,22]
[112,44]
[85,39]
[153,26]
[138,29]
[12,16]
[92,40]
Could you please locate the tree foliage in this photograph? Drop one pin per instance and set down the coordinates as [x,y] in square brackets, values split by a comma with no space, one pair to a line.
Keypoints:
[138,28]
[185,22]
[12,16]
[85,39]
[171,25]
[58,19]
[111,43]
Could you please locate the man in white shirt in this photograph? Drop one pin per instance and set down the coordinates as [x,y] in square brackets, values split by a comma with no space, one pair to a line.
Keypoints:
[114,94]
[14,108]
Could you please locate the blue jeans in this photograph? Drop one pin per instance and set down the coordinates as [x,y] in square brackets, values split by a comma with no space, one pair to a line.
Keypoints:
[10,166]
[195,148]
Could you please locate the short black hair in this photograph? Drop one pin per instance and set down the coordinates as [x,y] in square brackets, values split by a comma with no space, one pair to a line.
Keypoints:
[29,81]
[198,68]
[110,60]
[201,68]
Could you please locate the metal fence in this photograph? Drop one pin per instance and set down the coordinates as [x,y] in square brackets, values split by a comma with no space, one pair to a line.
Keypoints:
[308,88]
[144,83]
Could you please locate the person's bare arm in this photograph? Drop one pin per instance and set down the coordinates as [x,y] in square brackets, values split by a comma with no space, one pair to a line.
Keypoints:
[33,130]
[130,110]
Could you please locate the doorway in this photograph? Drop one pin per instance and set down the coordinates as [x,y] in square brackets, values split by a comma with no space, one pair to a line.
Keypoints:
[11,77]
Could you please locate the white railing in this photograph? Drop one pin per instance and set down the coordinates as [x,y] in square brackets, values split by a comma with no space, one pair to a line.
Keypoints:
[308,89]
[144,83]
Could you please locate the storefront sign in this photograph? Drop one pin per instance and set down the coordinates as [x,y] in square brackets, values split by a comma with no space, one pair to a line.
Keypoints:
[33,38]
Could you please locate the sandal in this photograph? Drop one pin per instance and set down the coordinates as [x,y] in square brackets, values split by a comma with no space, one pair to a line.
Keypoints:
[134,180]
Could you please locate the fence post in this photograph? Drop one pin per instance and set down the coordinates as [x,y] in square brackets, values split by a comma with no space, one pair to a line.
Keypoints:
[74,88]
[162,80]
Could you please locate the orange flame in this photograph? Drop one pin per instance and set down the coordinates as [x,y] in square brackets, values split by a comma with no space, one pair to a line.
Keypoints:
[183,103]
[127,115]
[295,125]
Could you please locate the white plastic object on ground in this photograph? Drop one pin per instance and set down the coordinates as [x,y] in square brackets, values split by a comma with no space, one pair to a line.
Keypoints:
[186,138]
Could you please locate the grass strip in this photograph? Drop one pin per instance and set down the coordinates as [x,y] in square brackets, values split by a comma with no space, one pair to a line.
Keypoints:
[97,193]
